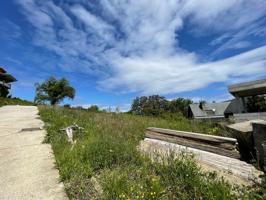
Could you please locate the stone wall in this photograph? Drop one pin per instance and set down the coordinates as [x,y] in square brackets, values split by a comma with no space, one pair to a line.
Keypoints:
[249,116]
[259,134]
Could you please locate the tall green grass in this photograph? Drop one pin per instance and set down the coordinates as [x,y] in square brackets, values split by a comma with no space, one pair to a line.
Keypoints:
[14,101]
[106,150]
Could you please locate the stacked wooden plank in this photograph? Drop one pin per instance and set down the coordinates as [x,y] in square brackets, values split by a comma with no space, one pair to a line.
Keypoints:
[219,145]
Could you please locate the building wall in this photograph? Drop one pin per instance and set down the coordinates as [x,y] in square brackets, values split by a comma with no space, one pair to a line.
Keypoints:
[249,116]
[236,106]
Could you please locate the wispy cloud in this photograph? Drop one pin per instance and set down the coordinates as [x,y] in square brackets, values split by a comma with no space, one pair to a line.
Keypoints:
[15,61]
[93,22]
[173,74]
[133,46]
[236,39]
[9,30]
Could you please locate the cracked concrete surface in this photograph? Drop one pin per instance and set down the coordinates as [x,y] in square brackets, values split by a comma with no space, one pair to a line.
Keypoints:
[27,166]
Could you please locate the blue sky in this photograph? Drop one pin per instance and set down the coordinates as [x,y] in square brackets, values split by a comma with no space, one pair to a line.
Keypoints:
[114,50]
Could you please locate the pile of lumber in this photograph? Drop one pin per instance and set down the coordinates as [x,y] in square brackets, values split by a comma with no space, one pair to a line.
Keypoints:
[219,145]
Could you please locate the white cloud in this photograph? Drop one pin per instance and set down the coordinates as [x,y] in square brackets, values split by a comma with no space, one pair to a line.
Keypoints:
[173,74]
[9,30]
[224,15]
[236,39]
[135,43]
[37,17]
[89,19]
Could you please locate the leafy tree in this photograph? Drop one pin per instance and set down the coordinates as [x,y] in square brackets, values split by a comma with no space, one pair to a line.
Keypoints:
[93,108]
[256,104]
[79,108]
[157,105]
[180,105]
[152,105]
[138,105]
[67,106]
[53,91]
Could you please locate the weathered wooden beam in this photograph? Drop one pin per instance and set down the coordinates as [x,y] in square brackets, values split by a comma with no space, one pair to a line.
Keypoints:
[215,144]
[221,149]
[196,136]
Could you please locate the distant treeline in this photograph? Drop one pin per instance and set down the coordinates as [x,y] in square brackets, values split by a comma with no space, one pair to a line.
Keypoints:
[156,105]
[92,108]
[153,105]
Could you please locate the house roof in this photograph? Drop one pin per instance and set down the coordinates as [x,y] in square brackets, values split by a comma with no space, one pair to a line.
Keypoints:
[2,70]
[209,110]
[7,78]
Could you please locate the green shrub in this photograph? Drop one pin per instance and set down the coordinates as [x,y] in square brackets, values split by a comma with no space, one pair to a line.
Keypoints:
[131,183]
[14,101]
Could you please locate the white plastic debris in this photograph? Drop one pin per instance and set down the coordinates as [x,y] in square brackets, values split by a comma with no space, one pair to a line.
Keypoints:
[69,131]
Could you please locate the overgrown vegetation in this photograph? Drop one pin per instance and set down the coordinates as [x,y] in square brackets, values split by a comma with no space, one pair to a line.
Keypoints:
[14,101]
[256,104]
[106,151]
[156,105]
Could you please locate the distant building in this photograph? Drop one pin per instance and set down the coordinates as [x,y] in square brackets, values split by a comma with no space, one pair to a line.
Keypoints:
[5,82]
[243,90]
[214,110]
[236,107]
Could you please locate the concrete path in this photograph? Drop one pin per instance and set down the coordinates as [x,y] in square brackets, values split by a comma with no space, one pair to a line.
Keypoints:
[27,169]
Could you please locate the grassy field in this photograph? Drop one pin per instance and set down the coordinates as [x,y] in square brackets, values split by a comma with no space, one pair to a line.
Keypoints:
[105,164]
[14,101]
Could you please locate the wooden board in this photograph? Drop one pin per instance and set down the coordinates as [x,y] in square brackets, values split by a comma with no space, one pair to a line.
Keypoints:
[215,144]
[230,152]
[199,136]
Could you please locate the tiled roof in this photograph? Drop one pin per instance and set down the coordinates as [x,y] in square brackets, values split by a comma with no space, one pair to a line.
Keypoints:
[209,109]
